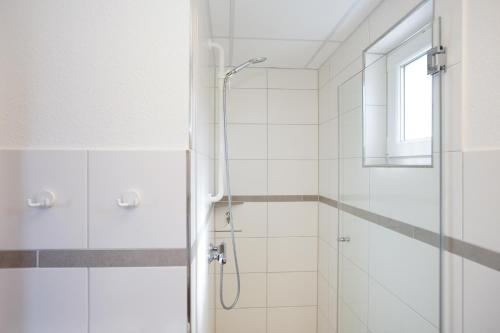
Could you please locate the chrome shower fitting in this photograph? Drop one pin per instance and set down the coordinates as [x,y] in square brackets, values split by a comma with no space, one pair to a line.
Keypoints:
[217,253]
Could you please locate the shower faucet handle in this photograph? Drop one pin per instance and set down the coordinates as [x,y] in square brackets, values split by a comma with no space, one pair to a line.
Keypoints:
[344,239]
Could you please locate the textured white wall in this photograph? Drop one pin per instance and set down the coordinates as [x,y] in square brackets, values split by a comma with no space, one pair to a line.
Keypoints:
[94,74]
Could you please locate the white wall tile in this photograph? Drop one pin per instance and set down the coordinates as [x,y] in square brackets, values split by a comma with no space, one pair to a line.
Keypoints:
[250,218]
[324,74]
[481,298]
[293,177]
[452,108]
[323,299]
[26,173]
[292,289]
[407,194]
[452,293]
[247,106]
[250,78]
[329,139]
[323,259]
[408,268]
[292,320]
[293,79]
[348,321]
[293,106]
[351,133]
[160,178]
[328,224]
[329,178]
[292,254]
[350,94]
[389,315]
[327,99]
[52,300]
[354,288]
[355,183]
[452,223]
[481,193]
[481,99]
[323,323]
[247,141]
[241,321]
[293,141]
[288,219]
[252,254]
[358,248]
[146,299]
[248,177]
[252,293]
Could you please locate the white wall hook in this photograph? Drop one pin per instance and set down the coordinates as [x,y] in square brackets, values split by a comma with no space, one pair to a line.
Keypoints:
[129,199]
[43,199]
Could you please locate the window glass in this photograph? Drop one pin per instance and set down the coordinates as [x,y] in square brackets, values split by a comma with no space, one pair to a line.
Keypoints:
[416,101]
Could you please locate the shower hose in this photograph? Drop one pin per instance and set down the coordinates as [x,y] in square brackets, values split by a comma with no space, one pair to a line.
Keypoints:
[230,210]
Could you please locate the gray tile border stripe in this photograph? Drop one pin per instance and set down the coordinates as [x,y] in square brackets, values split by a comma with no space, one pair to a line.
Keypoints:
[18,259]
[273,198]
[113,258]
[93,258]
[469,251]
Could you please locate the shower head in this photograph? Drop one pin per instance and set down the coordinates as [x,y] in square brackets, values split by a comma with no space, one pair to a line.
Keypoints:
[245,65]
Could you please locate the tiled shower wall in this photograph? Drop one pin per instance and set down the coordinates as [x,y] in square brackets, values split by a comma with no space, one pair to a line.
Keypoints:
[470,181]
[273,144]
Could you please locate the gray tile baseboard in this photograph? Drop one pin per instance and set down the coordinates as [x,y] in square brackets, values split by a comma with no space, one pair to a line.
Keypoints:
[93,258]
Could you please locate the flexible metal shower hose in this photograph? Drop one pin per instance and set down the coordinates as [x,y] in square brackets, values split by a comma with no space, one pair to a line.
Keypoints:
[230,211]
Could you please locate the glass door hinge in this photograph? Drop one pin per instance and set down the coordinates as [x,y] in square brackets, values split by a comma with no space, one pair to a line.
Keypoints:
[436,60]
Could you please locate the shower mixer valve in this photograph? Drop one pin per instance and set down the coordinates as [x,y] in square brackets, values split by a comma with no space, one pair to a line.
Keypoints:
[217,253]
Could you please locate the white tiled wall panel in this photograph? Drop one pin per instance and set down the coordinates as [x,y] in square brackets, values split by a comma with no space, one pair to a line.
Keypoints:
[292,320]
[292,254]
[481,298]
[293,177]
[292,289]
[44,300]
[481,193]
[250,78]
[250,218]
[130,300]
[288,219]
[25,173]
[293,106]
[247,141]
[408,268]
[292,79]
[252,293]
[389,314]
[248,177]
[273,151]
[251,255]
[293,141]
[410,195]
[160,178]
[248,106]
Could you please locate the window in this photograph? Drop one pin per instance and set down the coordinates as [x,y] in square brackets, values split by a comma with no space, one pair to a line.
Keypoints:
[398,95]
[416,106]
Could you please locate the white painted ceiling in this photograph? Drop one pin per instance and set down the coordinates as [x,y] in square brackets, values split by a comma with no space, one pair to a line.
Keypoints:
[290,33]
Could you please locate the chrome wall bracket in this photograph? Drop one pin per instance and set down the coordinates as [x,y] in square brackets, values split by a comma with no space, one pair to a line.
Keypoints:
[344,239]
[436,60]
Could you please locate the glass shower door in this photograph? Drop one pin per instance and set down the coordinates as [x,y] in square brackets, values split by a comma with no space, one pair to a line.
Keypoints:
[389,210]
